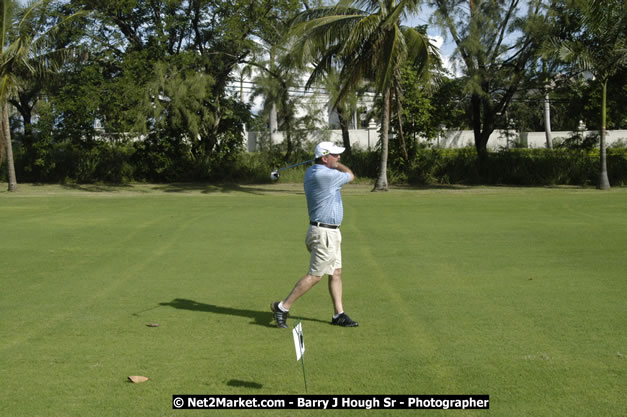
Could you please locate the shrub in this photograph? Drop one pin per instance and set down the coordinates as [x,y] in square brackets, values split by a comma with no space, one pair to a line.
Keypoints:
[516,167]
[167,161]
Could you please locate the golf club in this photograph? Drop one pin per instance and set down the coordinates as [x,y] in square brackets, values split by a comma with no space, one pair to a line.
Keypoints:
[274,175]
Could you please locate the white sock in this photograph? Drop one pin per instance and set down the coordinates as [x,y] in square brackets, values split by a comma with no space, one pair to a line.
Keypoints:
[283,309]
[337,315]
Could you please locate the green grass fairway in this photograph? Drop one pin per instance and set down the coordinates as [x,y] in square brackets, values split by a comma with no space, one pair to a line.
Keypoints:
[518,293]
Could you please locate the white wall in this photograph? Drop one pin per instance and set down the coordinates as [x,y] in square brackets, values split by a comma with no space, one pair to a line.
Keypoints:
[360,138]
[538,139]
[367,138]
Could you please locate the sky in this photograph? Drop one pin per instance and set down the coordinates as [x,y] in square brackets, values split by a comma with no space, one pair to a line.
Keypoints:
[446,47]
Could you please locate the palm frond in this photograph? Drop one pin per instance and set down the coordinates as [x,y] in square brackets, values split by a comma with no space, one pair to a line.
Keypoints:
[364,38]
[600,46]
[360,34]
[420,50]
[393,52]
[26,47]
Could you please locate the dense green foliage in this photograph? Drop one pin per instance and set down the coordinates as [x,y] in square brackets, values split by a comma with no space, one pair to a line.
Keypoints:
[528,167]
[156,71]
[144,161]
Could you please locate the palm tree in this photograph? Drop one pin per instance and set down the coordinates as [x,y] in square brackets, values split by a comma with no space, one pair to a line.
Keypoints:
[24,49]
[11,53]
[365,39]
[600,48]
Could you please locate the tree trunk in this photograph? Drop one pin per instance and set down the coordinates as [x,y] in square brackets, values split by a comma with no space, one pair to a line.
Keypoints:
[290,146]
[401,136]
[346,142]
[274,125]
[382,181]
[287,122]
[547,121]
[480,143]
[6,133]
[604,182]
[2,142]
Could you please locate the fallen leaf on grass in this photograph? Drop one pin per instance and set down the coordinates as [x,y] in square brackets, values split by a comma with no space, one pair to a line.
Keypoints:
[138,379]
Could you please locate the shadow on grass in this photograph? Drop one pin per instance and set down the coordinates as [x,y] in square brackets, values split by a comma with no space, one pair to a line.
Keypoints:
[96,188]
[205,188]
[182,188]
[244,384]
[254,189]
[431,187]
[166,188]
[261,318]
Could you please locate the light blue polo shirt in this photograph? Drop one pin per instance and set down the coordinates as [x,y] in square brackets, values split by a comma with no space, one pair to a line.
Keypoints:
[322,189]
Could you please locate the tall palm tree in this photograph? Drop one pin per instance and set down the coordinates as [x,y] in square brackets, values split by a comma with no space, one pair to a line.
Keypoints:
[22,49]
[10,54]
[600,48]
[366,40]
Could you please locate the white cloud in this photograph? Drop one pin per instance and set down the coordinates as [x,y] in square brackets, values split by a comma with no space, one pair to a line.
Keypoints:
[437,40]
[446,54]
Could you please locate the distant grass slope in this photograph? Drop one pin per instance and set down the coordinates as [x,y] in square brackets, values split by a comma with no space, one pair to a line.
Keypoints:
[515,293]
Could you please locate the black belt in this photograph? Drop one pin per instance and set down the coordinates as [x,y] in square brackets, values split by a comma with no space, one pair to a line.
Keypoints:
[328,226]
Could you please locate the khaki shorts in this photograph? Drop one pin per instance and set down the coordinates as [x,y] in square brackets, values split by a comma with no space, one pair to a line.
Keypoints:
[325,247]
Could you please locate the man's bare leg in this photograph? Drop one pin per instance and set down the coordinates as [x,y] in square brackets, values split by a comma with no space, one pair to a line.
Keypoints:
[302,286]
[335,289]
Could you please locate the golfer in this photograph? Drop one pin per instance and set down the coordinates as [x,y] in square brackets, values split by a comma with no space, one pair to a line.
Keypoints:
[323,181]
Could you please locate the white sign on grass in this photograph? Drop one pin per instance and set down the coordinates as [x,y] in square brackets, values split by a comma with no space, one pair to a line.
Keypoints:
[299,341]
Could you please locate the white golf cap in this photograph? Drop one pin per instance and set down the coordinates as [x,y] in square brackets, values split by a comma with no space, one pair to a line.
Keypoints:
[325,148]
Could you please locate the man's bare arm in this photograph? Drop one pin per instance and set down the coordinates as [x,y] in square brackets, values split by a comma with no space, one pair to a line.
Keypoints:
[343,168]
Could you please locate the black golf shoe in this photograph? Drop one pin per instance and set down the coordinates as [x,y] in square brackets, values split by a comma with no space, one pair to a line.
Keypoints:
[279,315]
[344,321]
